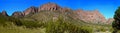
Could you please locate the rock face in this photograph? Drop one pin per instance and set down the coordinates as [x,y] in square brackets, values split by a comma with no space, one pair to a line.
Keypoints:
[49,6]
[17,14]
[30,10]
[4,13]
[110,20]
[90,16]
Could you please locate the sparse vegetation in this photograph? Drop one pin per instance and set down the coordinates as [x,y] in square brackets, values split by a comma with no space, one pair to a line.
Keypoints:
[44,23]
[61,26]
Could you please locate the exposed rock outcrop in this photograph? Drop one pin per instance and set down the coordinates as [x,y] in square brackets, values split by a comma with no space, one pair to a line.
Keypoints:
[17,14]
[30,10]
[4,13]
[109,21]
[90,16]
[49,6]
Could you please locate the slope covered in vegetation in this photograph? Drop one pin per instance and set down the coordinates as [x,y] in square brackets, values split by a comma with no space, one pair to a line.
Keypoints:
[49,22]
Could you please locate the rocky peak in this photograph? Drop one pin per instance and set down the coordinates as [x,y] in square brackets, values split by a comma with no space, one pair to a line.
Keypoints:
[49,6]
[110,20]
[4,13]
[17,14]
[90,16]
[32,9]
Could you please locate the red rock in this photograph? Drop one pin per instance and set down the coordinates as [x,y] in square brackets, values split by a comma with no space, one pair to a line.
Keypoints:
[4,13]
[90,16]
[110,20]
[17,14]
[49,6]
[30,10]
[65,9]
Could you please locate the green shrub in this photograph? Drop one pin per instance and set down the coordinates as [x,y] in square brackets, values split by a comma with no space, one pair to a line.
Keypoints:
[31,24]
[61,26]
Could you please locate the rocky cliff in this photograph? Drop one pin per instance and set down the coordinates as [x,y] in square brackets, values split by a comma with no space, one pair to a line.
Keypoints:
[17,14]
[90,16]
[109,21]
[49,6]
[4,13]
[32,9]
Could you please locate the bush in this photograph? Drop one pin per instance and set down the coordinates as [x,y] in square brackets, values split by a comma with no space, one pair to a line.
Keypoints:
[61,26]
[31,24]
[27,23]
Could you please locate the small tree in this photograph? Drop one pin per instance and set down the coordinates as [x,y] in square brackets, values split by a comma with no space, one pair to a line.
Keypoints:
[116,22]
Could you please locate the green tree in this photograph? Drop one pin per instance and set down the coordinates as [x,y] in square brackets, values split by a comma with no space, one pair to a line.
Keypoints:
[116,22]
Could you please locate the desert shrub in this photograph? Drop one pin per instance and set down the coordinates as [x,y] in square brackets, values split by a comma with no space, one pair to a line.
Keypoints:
[103,29]
[26,23]
[4,20]
[60,26]
[30,24]
[54,27]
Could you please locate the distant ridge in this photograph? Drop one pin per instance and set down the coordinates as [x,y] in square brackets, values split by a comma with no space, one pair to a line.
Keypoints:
[87,16]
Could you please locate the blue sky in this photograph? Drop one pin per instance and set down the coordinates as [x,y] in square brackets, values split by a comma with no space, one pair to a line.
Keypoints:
[105,7]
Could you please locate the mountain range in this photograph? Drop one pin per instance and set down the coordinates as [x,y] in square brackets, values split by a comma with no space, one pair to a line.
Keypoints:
[52,10]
